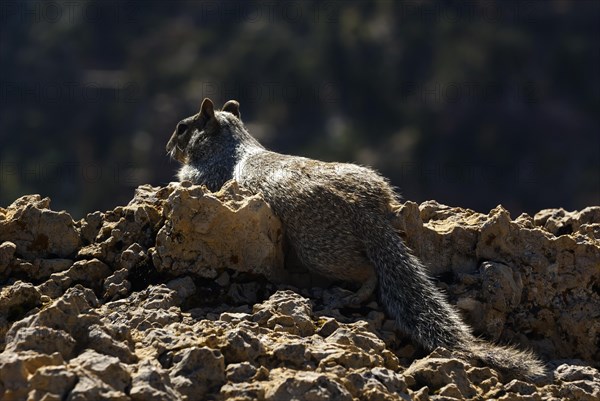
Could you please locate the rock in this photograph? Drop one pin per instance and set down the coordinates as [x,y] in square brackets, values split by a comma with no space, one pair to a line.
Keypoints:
[242,345]
[65,313]
[443,237]
[111,340]
[570,373]
[90,226]
[504,286]
[240,372]
[116,285]
[291,354]
[41,269]
[437,371]
[56,381]
[7,253]
[90,273]
[285,311]
[560,222]
[206,242]
[358,336]
[17,367]
[581,382]
[132,256]
[378,383]
[118,229]
[451,390]
[304,385]
[196,371]
[17,299]
[580,390]
[152,383]
[38,231]
[523,267]
[67,323]
[183,286]
[91,387]
[107,368]
[15,302]
[328,325]
[243,391]
[44,340]
[520,387]
[235,317]
[154,307]
[100,321]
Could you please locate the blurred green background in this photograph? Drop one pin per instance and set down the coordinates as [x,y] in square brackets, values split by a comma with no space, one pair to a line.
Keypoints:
[470,103]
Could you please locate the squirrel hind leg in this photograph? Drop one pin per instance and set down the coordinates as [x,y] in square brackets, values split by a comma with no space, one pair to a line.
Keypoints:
[365,291]
[368,284]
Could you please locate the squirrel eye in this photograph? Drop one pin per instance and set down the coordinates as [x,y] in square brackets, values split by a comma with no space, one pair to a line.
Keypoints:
[181,128]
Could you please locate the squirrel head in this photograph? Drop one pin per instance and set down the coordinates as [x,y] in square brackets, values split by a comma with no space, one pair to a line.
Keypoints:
[204,130]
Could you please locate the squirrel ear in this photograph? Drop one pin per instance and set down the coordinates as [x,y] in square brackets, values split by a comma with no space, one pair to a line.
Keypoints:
[232,106]
[207,109]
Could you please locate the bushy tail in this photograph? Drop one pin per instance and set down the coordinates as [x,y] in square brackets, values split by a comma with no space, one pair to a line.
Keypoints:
[421,310]
[511,362]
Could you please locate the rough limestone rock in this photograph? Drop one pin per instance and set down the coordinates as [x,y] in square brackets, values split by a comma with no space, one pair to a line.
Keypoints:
[515,281]
[202,233]
[38,231]
[107,235]
[7,253]
[177,296]
[15,301]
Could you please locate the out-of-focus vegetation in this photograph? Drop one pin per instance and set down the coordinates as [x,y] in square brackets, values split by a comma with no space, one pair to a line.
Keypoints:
[470,103]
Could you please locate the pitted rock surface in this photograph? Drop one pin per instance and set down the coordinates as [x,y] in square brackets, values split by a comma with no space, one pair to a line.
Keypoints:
[182,295]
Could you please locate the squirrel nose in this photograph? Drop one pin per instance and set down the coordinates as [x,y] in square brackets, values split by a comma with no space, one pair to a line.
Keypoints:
[171,142]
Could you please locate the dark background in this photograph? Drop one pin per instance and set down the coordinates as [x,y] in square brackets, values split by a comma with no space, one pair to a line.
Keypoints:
[470,103]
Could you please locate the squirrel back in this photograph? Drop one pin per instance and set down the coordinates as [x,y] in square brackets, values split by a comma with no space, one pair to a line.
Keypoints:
[338,220]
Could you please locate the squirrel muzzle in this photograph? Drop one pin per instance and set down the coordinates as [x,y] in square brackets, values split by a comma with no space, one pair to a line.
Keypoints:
[173,149]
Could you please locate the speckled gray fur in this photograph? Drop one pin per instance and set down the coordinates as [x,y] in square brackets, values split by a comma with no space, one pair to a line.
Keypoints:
[337,218]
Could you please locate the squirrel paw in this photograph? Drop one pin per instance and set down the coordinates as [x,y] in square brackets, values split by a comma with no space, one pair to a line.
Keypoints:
[350,301]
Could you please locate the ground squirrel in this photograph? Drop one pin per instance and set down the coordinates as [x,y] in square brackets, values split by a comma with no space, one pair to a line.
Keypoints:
[337,217]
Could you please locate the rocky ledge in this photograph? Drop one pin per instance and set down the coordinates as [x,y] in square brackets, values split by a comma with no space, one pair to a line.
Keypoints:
[182,295]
